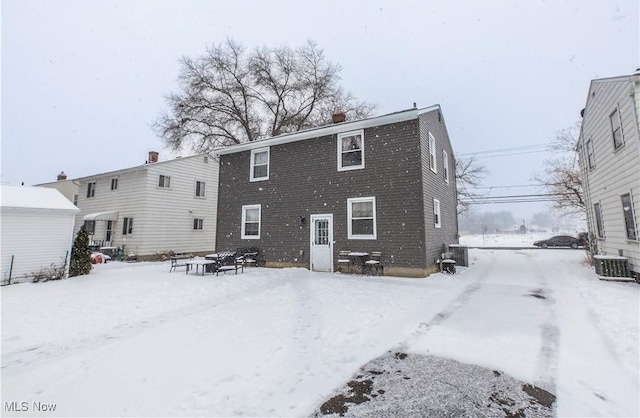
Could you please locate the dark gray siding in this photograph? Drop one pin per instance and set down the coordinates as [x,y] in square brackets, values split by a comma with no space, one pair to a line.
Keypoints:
[434,186]
[304,180]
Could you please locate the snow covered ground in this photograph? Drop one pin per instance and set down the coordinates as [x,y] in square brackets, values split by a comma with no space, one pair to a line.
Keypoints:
[136,340]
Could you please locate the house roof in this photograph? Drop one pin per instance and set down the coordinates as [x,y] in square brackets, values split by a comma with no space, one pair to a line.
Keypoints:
[335,128]
[141,167]
[34,198]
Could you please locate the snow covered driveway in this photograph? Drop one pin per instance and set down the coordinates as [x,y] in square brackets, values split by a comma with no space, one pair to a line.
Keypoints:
[135,340]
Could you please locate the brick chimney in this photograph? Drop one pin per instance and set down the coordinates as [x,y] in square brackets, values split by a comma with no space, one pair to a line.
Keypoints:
[62,176]
[338,117]
[153,157]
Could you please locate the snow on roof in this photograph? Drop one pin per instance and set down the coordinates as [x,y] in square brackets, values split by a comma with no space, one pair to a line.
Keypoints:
[34,197]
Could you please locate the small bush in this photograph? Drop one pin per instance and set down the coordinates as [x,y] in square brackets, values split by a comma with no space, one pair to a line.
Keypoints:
[53,272]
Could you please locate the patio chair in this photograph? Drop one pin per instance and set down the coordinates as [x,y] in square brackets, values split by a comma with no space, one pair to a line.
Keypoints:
[374,264]
[345,260]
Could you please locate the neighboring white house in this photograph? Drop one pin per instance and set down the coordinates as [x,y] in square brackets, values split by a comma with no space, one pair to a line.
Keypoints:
[609,149]
[154,208]
[36,229]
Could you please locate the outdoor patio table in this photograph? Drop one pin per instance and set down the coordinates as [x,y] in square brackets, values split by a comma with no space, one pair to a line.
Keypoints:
[358,259]
[199,262]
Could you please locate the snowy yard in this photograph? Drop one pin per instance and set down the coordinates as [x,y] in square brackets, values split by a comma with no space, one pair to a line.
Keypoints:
[136,340]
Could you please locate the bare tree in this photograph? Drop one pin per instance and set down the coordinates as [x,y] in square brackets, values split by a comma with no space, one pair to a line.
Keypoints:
[561,178]
[230,96]
[469,175]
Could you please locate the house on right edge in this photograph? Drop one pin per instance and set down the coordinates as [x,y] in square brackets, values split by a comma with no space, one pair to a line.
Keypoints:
[385,183]
[609,149]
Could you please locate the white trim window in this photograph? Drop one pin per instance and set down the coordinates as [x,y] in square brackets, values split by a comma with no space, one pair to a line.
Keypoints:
[445,166]
[591,158]
[251,221]
[200,188]
[114,183]
[597,211]
[127,226]
[616,128]
[164,181]
[361,218]
[198,223]
[437,219]
[351,150]
[432,153]
[629,217]
[259,164]
[91,189]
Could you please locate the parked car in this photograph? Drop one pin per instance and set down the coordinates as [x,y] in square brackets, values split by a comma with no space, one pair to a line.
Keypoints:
[560,241]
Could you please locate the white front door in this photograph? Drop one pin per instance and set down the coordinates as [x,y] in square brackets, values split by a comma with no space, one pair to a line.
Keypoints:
[322,242]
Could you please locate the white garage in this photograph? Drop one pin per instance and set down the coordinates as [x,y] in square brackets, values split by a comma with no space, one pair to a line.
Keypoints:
[36,231]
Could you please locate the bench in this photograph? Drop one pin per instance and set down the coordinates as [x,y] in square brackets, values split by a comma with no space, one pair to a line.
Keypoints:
[230,262]
[179,260]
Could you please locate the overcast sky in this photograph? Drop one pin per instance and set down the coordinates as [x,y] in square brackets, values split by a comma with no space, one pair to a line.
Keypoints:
[83,80]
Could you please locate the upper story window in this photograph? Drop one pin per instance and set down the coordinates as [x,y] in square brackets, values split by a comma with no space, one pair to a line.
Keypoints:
[597,210]
[198,224]
[91,189]
[351,150]
[361,218]
[164,181]
[251,218]
[432,153]
[199,188]
[75,199]
[127,226]
[629,217]
[259,164]
[616,129]
[590,156]
[114,183]
[90,227]
[437,219]
[445,165]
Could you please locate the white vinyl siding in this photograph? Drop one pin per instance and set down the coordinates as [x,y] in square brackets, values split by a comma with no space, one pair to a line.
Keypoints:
[361,218]
[617,170]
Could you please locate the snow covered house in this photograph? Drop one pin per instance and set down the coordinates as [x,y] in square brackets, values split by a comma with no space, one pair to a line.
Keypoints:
[153,208]
[37,231]
[609,148]
[386,184]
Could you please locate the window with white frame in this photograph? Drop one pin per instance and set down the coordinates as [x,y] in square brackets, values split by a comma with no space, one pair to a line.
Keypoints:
[164,181]
[91,189]
[437,219]
[616,129]
[629,217]
[198,224]
[114,183]
[590,156]
[199,188]
[361,218]
[351,150]
[259,164]
[432,153]
[127,226]
[445,165]
[597,211]
[251,220]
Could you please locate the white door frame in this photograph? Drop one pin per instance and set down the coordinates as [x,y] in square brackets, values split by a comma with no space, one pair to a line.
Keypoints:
[328,216]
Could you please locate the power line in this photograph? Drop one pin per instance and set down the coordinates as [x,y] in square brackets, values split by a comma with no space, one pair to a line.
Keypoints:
[502,150]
